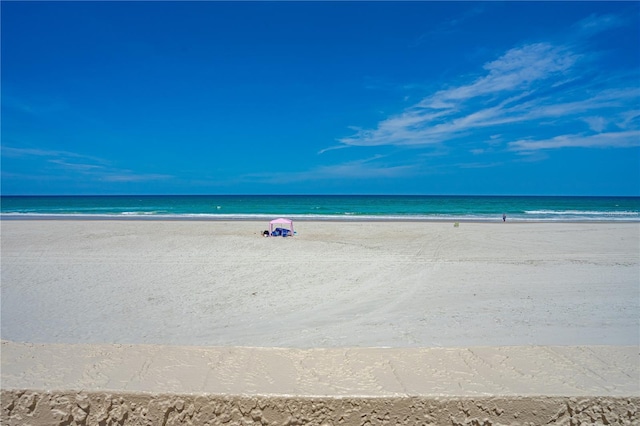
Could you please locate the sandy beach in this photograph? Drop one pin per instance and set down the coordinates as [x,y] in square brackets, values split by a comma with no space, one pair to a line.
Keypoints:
[477,311]
[334,284]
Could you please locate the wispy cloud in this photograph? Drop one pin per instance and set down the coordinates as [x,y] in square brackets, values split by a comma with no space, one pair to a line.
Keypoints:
[533,86]
[360,169]
[597,23]
[331,148]
[610,140]
[478,165]
[373,167]
[130,176]
[49,154]
[76,165]
[492,99]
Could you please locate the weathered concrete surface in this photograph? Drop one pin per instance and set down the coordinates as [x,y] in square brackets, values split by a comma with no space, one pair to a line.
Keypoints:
[98,408]
[57,384]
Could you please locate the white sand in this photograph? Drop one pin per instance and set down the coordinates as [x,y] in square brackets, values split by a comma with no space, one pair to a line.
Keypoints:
[326,372]
[149,322]
[332,285]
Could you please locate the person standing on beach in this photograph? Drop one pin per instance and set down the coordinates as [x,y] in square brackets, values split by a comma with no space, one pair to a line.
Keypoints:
[504,217]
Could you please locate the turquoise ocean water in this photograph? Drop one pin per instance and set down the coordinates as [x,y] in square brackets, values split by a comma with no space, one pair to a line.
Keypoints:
[325,207]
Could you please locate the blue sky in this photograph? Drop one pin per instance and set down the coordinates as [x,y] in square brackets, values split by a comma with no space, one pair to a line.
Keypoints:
[532,98]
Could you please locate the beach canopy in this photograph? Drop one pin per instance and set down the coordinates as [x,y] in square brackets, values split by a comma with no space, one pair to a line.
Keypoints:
[280,221]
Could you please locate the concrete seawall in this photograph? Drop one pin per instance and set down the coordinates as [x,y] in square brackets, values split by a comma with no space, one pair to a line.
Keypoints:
[22,407]
[58,384]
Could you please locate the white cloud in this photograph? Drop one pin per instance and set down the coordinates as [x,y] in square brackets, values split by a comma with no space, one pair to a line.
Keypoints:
[446,113]
[127,176]
[518,68]
[332,148]
[359,169]
[598,23]
[80,165]
[597,124]
[372,167]
[538,84]
[52,155]
[629,119]
[478,165]
[602,140]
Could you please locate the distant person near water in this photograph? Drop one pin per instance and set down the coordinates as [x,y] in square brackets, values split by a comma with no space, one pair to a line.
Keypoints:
[504,217]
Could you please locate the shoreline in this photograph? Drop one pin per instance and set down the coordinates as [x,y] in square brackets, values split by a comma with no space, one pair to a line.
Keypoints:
[262,218]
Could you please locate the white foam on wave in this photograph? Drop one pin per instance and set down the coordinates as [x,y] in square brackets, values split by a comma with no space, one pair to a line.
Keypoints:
[528,216]
[582,213]
[134,213]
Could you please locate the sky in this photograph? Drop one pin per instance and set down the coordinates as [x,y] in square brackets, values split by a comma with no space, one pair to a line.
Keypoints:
[298,97]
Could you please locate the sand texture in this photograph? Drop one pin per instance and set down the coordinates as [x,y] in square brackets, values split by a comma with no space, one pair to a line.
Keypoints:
[153,322]
[332,285]
[142,384]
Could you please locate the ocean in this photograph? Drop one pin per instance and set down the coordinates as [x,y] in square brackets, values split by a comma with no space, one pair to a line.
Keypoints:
[325,207]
